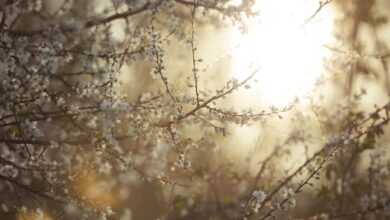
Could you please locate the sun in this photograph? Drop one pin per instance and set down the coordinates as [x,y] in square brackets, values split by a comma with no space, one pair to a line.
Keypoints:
[288,51]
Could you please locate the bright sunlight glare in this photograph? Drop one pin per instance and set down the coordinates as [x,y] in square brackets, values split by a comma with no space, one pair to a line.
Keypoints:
[288,52]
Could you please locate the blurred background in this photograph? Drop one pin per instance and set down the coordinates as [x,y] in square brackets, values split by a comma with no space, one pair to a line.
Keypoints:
[320,67]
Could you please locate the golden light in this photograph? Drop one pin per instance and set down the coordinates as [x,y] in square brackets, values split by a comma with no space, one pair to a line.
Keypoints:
[25,214]
[288,52]
[94,190]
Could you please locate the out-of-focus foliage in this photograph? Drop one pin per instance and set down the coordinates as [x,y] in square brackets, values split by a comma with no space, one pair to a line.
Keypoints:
[100,118]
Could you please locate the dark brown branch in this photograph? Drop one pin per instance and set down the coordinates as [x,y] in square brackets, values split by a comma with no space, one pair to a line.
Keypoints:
[193,51]
[223,94]
[31,190]
[93,23]
[321,5]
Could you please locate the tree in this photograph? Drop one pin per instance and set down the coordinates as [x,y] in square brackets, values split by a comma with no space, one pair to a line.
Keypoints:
[79,141]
